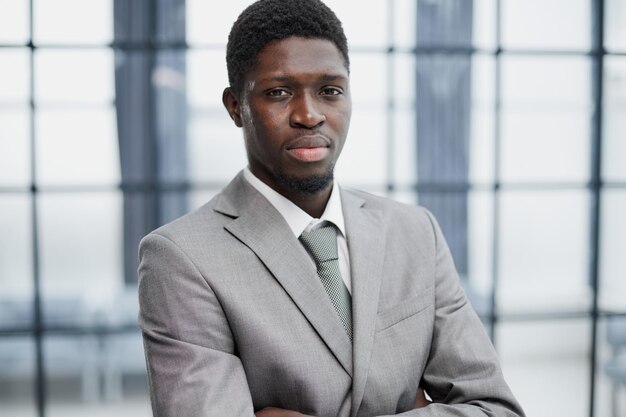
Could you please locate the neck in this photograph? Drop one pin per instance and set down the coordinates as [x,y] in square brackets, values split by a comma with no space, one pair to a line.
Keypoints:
[311,194]
[312,204]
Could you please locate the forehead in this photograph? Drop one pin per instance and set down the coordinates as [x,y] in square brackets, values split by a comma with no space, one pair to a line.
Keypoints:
[296,55]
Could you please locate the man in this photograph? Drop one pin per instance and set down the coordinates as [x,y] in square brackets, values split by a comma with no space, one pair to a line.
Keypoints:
[287,295]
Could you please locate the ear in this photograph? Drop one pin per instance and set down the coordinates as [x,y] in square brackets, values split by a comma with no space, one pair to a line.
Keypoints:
[231,102]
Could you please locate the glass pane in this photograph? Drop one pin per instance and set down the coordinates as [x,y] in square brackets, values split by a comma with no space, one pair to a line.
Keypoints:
[368,79]
[614,145]
[404,140]
[15,80]
[540,24]
[612,259]
[404,147]
[71,365]
[81,255]
[451,208]
[363,159]
[451,23]
[483,80]
[368,27]
[610,398]
[206,78]
[404,20]
[77,147]
[73,21]
[615,30]
[404,79]
[544,247]
[482,144]
[169,23]
[17,370]
[549,80]
[96,375]
[216,148]
[14,25]
[377,190]
[172,204]
[482,119]
[74,76]
[199,198]
[16,278]
[547,355]
[14,147]
[402,196]
[169,102]
[484,24]
[221,18]
[443,117]
[480,249]
[546,119]
[545,146]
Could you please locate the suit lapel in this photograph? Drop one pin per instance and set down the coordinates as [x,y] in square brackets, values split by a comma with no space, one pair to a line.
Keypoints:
[366,234]
[260,227]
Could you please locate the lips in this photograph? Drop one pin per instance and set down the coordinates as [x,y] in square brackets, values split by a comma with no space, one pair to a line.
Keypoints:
[309,148]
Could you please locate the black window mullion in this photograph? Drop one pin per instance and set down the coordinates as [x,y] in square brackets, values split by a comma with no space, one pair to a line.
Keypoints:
[390,105]
[40,372]
[495,239]
[596,184]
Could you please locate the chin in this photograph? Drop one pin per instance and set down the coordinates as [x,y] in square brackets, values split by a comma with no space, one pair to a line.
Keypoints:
[307,185]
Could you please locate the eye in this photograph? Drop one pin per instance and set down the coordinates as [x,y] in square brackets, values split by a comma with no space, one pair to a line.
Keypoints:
[277,92]
[331,91]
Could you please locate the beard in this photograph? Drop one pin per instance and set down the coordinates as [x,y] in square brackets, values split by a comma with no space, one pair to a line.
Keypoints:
[306,185]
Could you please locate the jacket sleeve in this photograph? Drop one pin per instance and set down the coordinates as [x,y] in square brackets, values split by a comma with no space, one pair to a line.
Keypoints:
[193,369]
[463,374]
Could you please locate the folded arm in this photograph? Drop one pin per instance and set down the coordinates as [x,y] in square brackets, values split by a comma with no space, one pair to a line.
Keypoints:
[192,366]
[462,375]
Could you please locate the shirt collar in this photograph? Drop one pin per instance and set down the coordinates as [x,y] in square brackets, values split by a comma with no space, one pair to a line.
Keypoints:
[297,219]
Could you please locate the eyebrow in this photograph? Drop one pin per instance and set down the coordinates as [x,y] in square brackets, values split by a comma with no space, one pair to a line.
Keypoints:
[286,78]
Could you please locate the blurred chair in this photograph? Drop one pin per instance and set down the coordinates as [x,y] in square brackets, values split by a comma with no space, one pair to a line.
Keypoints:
[64,356]
[615,368]
[100,361]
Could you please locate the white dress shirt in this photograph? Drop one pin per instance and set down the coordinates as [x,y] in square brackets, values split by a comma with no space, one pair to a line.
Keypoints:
[299,221]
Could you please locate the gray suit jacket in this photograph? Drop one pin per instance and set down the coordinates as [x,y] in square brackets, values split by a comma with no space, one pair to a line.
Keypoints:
[235,318]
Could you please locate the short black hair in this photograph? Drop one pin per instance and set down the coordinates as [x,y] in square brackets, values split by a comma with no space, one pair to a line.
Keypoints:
[268,20]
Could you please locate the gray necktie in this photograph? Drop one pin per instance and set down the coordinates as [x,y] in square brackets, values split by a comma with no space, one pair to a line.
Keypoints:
[322,245]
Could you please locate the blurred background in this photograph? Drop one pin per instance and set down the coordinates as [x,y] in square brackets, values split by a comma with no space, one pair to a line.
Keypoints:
[506,118]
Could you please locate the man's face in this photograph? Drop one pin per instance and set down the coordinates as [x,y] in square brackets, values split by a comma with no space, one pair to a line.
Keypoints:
[295,111]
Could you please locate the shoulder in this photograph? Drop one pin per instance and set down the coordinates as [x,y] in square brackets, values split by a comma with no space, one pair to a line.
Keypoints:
[408,222]
[393,211]
[208,220]
[196,225]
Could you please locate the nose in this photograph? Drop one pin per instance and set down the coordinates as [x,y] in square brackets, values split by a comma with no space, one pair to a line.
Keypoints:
[306,112]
